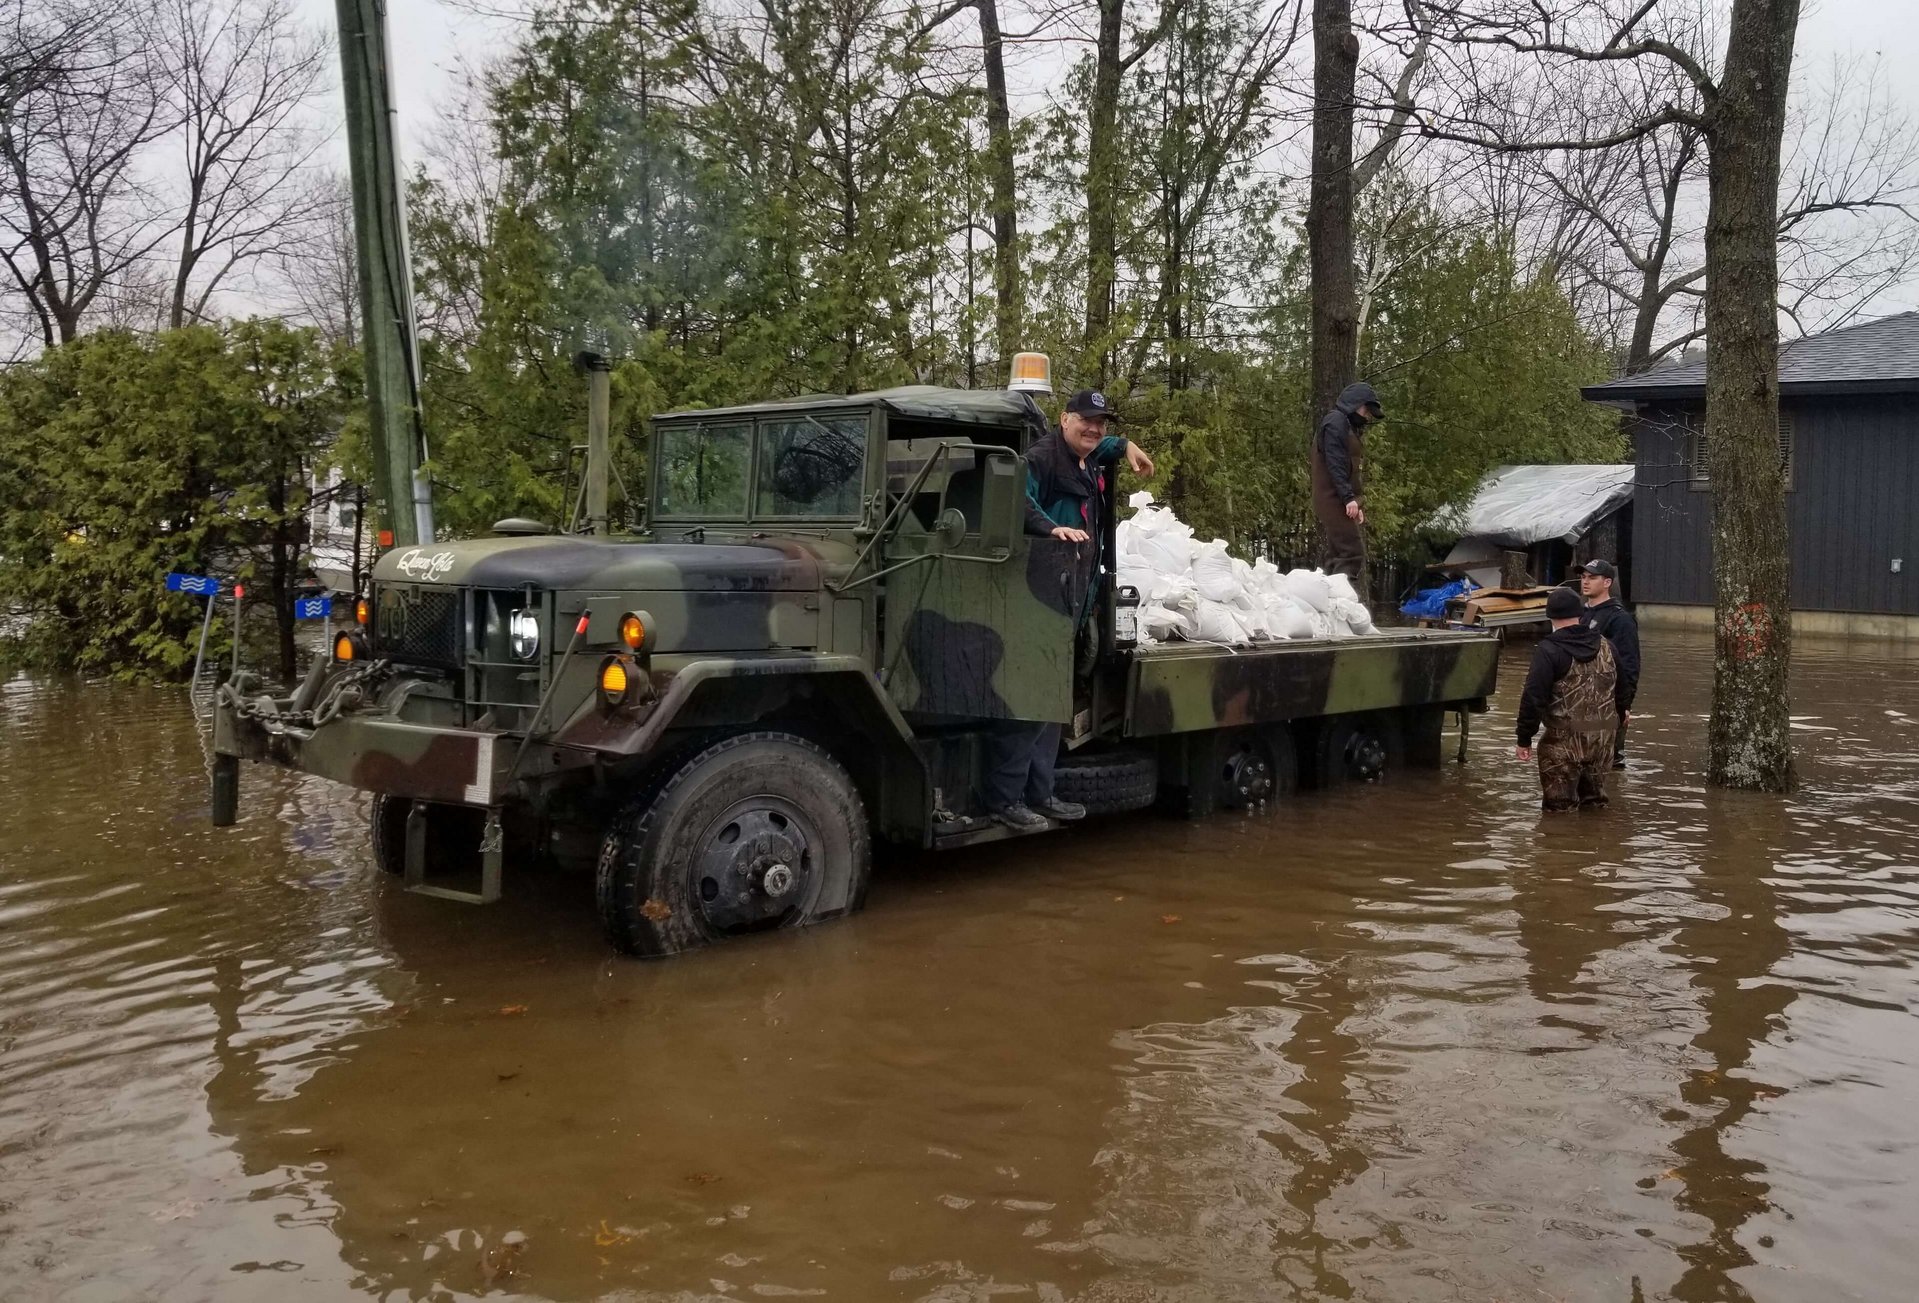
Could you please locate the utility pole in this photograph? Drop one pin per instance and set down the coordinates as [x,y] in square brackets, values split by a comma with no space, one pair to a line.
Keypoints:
[390,337]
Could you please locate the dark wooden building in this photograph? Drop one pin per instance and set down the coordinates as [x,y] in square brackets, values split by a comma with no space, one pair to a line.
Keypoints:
[1849,437]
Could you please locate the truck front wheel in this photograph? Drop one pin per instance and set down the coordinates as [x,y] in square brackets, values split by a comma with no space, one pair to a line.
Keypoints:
[755,832]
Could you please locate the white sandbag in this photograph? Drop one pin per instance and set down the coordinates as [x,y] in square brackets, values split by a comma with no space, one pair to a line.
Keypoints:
[1310,587]
[1162,622]
[1353,615]
[1341,587]
[1154,587]
[1140,500]
[1323,626]
[1213,572]
[1253,619]
[1169,551]
[1288,619]
[1217,623]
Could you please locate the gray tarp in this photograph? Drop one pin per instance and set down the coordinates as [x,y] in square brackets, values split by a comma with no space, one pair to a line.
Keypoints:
[1518,506]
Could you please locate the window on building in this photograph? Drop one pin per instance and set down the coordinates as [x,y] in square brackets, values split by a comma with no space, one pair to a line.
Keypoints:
[1696,448]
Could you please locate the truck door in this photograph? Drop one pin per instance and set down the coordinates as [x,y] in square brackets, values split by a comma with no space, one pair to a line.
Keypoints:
[980,619]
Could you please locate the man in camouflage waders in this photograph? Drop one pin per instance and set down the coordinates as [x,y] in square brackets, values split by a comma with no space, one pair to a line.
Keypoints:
[1570,690]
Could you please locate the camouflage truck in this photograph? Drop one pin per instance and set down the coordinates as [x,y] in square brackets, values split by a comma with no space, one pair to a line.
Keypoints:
[828,610]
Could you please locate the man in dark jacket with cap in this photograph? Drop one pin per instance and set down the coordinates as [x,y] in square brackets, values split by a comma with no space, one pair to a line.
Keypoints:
[1599,584]
[1570,690]
[1338,457]
[1065,493]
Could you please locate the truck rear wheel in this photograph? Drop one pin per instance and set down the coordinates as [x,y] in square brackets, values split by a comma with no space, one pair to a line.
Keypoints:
[1359,748]
[1237,769]
[754,832]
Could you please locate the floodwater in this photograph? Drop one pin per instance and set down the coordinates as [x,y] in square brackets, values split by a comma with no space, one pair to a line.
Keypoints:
[1415,1042]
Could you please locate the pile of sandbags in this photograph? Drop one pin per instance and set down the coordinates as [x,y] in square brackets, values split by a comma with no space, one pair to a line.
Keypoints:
[1202,593]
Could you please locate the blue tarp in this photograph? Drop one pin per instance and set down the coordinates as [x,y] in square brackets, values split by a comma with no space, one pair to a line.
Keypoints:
[1431,604]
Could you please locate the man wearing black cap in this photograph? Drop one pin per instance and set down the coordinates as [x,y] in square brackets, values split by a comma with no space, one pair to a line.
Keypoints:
[1570,690]
[1065,494]
[1599,584]
[1337,460]
[1066,471]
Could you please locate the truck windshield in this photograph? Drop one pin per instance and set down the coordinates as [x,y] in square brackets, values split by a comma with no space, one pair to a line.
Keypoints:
[811,466]
[703,470]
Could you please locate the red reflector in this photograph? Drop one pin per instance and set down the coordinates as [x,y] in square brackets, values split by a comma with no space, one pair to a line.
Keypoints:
[386,538]
[239,591]
[580,628]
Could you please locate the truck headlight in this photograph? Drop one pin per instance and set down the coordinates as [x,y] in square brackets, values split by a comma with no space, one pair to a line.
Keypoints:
[523,633]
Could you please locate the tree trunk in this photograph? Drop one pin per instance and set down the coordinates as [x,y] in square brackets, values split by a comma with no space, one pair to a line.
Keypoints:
[1329,210]
[1102,190]
[1749,737]
[1003,184]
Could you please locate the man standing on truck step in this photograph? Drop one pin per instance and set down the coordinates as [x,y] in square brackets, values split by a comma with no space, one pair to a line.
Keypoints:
[1338,459]
[1599,582]
[1570,690]
[1065,496]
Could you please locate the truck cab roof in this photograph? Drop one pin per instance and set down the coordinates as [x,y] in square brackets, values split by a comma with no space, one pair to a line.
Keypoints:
[999,407]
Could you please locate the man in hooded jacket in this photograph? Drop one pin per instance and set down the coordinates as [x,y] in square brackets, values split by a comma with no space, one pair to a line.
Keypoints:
[1570,690]
[1338,457]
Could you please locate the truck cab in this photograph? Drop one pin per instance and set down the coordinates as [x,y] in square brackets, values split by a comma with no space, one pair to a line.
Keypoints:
[830,610]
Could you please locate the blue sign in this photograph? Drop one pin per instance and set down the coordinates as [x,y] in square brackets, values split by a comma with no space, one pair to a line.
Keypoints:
[204,585]
[312,608]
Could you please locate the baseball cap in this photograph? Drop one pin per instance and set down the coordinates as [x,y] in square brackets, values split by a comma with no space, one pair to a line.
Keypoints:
[1601,568]
[1091,402]
[1563,604]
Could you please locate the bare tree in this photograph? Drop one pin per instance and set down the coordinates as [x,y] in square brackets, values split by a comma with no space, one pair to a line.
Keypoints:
[1740,112]
[1846,223]
[320,273]
[1111,61]
[75,219]
[240,73]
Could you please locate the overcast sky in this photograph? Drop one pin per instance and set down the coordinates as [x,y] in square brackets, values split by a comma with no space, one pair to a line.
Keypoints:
[430,41]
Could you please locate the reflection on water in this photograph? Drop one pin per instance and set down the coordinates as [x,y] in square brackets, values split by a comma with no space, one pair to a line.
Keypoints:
[1407,1043]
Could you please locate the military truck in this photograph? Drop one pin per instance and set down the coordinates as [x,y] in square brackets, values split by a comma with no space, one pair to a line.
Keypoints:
[827,610]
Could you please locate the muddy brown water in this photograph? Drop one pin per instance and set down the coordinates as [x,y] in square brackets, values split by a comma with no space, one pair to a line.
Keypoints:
[1400,1043]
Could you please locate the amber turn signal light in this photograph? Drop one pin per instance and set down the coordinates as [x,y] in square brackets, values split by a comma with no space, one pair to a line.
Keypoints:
[636,631]
[362,612]
[344,649]
[616,680]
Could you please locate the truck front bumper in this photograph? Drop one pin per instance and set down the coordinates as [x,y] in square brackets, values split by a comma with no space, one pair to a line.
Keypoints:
[377,753]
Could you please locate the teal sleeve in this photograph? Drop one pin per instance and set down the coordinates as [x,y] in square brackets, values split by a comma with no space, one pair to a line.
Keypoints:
[1111,449]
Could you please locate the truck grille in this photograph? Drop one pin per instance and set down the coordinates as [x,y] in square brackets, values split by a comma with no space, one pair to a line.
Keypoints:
[424,625]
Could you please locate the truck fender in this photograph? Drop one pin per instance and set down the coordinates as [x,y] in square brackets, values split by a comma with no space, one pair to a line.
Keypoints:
[827,697]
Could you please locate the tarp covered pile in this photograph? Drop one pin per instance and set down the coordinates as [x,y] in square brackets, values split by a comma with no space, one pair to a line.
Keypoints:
[1199,592]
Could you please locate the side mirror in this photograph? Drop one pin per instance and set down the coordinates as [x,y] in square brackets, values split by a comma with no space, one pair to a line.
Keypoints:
[951,530]
[1002,502]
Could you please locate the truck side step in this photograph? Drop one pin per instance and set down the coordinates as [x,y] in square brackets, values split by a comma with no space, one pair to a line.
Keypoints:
[491,843]
[977,829]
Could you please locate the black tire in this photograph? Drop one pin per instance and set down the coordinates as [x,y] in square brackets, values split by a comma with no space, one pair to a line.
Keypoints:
[692,862]
[1237,769]
[1108,782]
[1363,747]
[452,836]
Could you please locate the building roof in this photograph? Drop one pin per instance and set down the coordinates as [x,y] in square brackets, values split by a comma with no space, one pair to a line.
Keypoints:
[1873,357]
[1518,506]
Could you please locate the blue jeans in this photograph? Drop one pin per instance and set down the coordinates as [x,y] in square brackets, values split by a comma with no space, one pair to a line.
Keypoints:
[1020,759]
